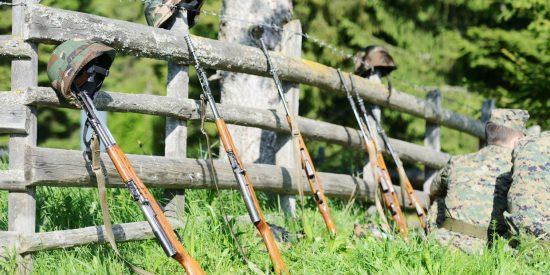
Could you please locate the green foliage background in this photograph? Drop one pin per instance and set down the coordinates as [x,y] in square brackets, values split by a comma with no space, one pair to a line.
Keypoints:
[496,49]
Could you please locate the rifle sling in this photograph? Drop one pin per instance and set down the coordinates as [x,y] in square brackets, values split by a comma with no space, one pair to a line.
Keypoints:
[100,178]
[465,228]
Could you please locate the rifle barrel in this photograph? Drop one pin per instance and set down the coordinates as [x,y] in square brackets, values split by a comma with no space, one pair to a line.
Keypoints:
[378,166]
[140,194]
[275,76]
[404,179]
[307,163]
[245,184]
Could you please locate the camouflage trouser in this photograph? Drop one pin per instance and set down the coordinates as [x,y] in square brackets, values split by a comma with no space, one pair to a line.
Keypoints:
[449,238]
[522,223]
[463,242]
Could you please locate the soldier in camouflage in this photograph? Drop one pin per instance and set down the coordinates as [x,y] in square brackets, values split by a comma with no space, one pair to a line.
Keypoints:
[469,194]
[529,195]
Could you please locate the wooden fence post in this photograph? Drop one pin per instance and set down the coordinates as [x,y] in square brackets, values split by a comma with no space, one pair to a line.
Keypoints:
[176,130]
[22,205]
[286,153]
[238,89]
[486,108]
[432,138]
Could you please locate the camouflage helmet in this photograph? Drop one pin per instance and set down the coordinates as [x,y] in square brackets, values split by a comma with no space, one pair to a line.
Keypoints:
[511,118]
[71,58]
[159,13]
[373,57]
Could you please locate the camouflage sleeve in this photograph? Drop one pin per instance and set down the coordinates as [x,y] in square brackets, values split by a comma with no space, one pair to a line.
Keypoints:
[438,189]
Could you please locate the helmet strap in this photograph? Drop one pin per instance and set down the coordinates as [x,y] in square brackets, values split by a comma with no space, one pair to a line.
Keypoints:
[93,70]
[87,82]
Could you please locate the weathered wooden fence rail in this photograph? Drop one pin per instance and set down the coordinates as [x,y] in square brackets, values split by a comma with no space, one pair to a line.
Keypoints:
[14,47]
[68,168]
[30,242]
[188,109]
[31,166]
[47,25]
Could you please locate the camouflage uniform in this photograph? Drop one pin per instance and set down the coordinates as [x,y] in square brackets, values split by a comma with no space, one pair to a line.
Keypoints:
[474,187]
[529,195]
[469,194]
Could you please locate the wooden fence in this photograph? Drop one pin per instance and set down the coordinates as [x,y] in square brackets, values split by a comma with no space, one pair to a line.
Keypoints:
[31,166]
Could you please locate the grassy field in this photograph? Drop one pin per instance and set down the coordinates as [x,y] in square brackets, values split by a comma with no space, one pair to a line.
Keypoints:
[208,240]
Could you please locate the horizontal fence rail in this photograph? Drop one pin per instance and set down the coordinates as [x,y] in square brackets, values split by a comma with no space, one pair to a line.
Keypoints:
[12,180]
[13,119]
[14,47]
[188,109]
[68,168]
[31,242]
[50,25]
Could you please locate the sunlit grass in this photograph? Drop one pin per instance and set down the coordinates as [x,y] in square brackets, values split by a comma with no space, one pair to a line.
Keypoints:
[207,238]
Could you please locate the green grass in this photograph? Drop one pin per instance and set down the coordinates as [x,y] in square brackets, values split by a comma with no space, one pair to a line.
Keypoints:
[206,237]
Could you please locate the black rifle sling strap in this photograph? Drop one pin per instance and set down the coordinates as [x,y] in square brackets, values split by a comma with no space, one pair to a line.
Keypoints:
[102,192]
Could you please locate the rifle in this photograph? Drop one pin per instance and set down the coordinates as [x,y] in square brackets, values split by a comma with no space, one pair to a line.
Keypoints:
[152,211]
[403,178]
[378,166]
[307,163]
[245,185]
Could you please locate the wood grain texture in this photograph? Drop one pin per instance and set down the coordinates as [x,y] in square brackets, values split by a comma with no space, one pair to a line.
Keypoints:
[67,168]
[187,109]
[8,242]
[241,89]
[432,138]
[14,119]
[22,204]
[25,243]
[175,142]
[13,180]
[286,153]
[13,47]
[50,25]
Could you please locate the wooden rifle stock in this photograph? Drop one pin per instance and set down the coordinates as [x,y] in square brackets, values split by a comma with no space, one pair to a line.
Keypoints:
[404,181]
[381,177]
[397,212]
[261,225]
[305,158]
[314,183]
[421,214]
[245,185]
[378,166]
[128,174]
[150,208]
